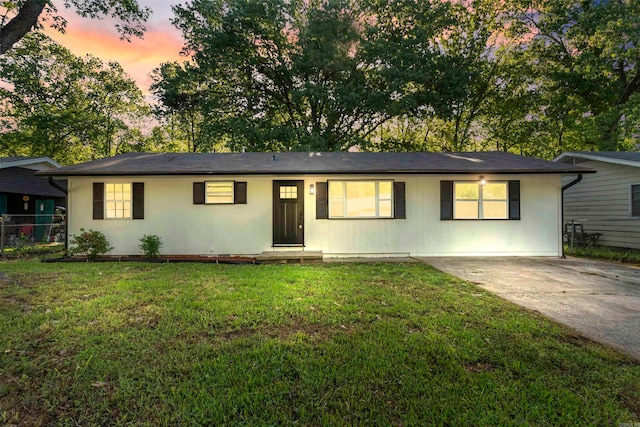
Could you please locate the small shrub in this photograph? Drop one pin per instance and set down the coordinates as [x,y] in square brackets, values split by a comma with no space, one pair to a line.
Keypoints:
[150,245]
[90,243]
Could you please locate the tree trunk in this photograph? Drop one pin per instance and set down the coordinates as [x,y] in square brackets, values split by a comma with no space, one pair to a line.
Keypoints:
[21,24]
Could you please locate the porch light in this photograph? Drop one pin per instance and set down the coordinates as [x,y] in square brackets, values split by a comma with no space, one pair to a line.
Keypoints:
[41,207]
[26,206]
[312,189]
[482,181]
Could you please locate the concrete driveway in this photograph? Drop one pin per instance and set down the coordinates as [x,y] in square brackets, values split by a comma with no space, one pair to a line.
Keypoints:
[601,300]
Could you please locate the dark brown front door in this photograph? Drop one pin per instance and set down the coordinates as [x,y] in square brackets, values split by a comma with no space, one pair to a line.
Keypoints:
[288,212]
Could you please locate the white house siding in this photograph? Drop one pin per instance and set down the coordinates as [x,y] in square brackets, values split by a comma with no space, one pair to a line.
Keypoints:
[601,203]
[186,228]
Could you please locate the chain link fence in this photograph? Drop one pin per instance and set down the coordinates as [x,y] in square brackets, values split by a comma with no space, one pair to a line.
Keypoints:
[18,231]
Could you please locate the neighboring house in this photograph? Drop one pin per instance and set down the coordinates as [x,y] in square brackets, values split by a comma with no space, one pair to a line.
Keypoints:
[607,202]
[23,193]
[343,204]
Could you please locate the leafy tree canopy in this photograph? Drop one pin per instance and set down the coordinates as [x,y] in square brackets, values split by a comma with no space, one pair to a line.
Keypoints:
[316,75]
[69,108]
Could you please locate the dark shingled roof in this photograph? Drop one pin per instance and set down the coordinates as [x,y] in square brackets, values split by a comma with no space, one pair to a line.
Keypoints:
[23,181]
[313,163]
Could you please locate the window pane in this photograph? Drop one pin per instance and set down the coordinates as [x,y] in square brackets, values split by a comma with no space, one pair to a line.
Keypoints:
[336,208]
[466,191]
[495,191]
[384,190]
[494,210]
[109,191]
[361,199]
[466,210]
[384,208]
[219,192]
[335,189]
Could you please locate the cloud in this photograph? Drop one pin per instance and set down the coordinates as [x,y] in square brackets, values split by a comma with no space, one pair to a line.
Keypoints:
[161,43]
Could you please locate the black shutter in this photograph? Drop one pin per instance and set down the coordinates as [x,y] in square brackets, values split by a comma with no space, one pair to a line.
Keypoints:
[322,200]
[635,200]
[399,203]
[240,193]
[198,193]
[98,200]
[514,199]
[446,199]
[138,200]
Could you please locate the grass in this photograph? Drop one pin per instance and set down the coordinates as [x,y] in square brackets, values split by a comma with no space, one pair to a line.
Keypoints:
[335,344]
[47,250]
[606,253]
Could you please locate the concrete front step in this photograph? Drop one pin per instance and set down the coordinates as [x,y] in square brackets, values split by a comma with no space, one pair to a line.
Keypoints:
[290,257]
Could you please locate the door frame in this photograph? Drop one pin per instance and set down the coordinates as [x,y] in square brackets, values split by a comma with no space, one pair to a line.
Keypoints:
[276,206]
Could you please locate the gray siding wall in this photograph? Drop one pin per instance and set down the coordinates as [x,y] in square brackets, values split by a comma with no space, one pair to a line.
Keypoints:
[601,202]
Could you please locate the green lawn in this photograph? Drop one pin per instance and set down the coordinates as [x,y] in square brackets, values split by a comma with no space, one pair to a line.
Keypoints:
[336,344]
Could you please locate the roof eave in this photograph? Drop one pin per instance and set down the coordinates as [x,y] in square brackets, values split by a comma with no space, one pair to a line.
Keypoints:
[596,158]
[306,172]
[35,160]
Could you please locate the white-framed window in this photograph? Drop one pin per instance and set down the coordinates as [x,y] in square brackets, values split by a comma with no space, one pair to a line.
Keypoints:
[471,200]
[219,192]
[361,199]
[117,200]
[634,200]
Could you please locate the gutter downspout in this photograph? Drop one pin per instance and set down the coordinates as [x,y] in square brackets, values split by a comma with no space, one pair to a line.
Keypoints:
[66,225]
[565,187]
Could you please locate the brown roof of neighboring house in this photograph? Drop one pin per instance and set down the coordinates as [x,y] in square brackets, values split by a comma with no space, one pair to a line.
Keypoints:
[495,162]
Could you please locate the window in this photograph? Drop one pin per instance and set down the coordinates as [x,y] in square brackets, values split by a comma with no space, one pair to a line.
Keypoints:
[288,192]
[475,201]
[117,201]
[635,200]
[360,199]
[219,192]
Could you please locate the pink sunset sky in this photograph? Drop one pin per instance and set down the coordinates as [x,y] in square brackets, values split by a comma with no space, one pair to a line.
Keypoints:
[162,42]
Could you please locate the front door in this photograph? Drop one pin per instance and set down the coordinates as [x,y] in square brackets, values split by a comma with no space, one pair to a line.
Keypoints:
[288,213]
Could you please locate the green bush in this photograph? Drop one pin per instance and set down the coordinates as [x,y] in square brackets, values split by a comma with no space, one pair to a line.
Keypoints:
[150,245]
[90,243]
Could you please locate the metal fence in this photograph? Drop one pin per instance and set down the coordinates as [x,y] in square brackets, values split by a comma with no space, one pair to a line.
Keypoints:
[17,231]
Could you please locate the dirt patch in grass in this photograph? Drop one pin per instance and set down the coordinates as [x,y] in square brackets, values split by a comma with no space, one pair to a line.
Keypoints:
[630,402]
[479,367]
[313,331]
[21,414]
[577,340]
[4,278]
[26,280]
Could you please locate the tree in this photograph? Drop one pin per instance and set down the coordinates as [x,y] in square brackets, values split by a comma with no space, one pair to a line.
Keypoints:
[55,104]
[22,16]
[316,75]
[184,102]
[586,53]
